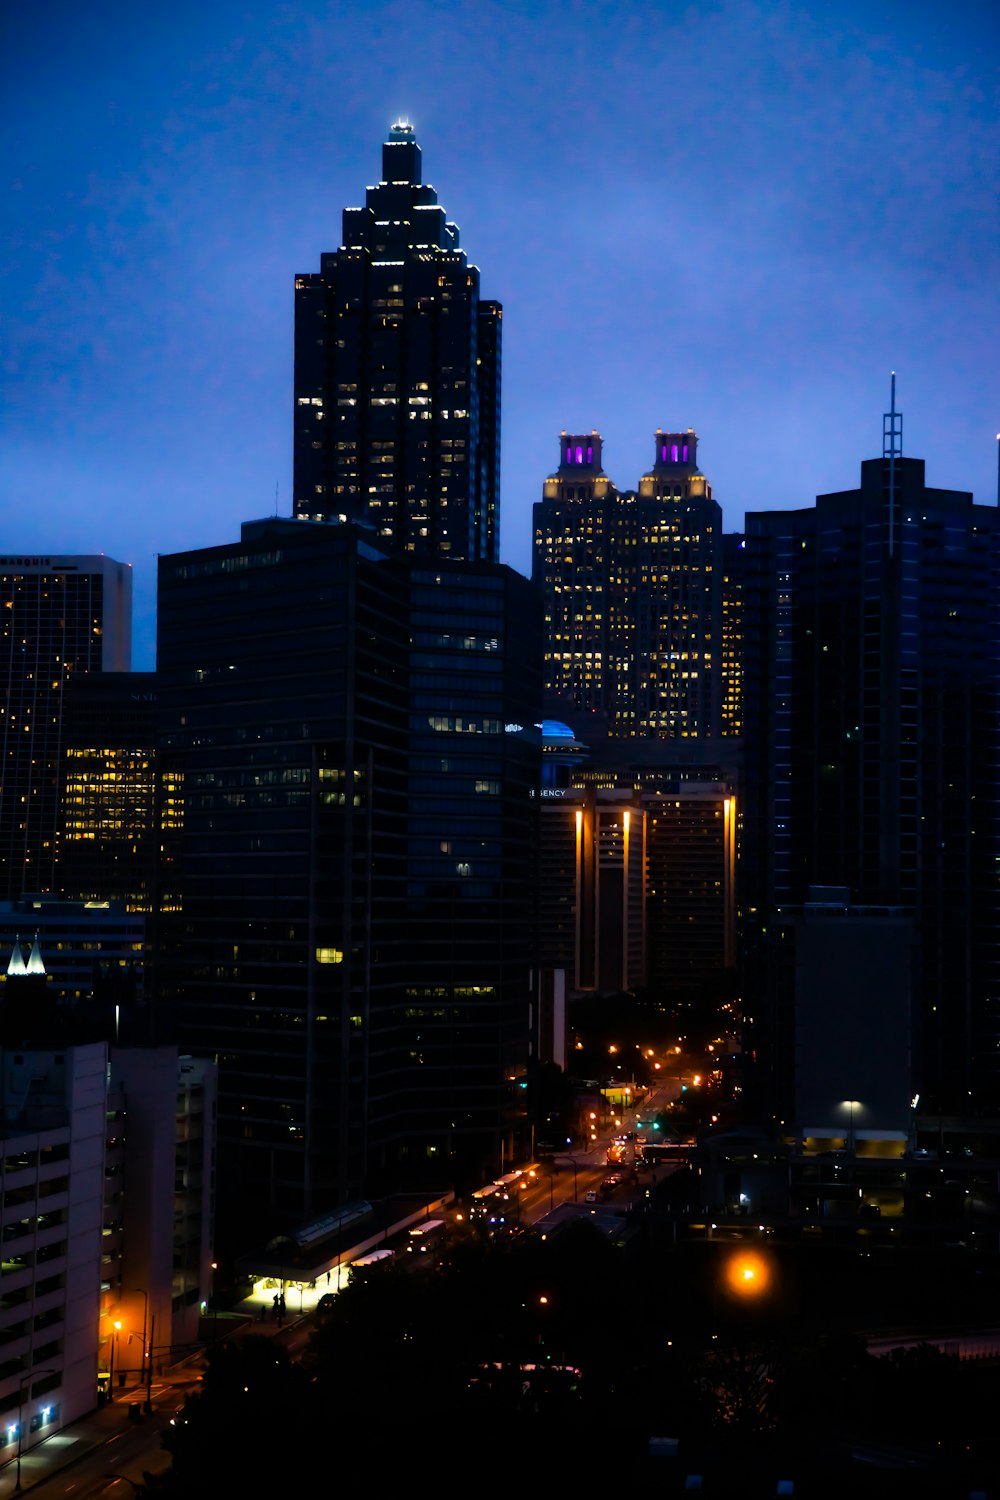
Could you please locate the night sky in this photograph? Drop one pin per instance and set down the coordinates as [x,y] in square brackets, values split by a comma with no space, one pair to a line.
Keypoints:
[735,217]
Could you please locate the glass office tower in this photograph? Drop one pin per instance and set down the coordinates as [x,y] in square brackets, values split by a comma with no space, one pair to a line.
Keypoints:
[353,737]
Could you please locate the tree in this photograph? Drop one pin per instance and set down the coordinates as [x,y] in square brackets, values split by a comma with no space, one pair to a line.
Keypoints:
[251,1420]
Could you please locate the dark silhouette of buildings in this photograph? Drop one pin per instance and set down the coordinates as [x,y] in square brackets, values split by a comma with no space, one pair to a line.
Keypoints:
[871,749]
[397,375]
[353,733]
[59,617]
[632,584]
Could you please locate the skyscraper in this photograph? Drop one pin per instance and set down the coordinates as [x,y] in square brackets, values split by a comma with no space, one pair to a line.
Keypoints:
[637,869]
[353,734]
[59,616]
[872,755]
[733,566]
[349,702]
[108,829]
[632,587]
[397,375]
[281,661]
[571,539]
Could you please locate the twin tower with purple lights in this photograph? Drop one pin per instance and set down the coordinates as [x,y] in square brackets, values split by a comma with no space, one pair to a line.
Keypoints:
[673,449]
[631,581]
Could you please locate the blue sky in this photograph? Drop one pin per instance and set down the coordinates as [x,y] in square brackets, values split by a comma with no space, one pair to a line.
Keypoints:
[732,216]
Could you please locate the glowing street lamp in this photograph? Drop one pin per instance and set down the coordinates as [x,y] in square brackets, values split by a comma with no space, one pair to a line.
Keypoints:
[747,1275]
[851,1105]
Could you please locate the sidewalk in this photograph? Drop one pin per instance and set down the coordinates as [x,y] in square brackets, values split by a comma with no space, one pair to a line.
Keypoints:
[112,1420]
[72,1443]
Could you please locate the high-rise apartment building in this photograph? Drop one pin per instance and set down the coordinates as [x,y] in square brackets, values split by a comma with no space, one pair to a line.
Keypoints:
[397,375]
[59,617]
[632,586]
[872,754]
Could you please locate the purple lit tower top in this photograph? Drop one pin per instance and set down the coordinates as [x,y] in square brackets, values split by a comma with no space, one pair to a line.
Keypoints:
[676,450]
[580,451]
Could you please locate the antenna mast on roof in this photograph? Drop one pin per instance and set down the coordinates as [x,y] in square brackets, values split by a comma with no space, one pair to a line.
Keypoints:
[892,448]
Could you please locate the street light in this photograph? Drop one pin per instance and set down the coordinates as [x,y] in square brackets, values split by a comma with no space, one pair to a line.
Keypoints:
[147,1353]
[29,1375]
[851,1105]
[115,1330]
[572,1162]
[748,1275]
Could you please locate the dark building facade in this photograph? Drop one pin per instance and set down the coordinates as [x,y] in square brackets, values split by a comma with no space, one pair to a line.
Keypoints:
[59,617]
[353,735]
[872,757]
[637,859]
[472,795]
[397,375]
[733,565]
[632,582]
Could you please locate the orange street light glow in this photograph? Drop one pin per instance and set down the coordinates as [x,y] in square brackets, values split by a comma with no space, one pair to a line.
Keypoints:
[747,1274]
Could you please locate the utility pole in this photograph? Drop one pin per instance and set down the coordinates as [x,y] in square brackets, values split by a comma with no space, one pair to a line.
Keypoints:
[149,1366]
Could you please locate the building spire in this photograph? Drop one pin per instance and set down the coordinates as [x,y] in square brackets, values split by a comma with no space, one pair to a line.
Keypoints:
[401,155]
[34,964]
[17,968]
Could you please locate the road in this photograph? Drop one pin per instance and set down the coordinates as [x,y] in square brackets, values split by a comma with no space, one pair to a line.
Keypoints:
[127,1453]
[568,1175]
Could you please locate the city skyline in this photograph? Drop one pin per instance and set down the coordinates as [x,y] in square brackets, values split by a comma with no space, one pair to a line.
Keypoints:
[738,221]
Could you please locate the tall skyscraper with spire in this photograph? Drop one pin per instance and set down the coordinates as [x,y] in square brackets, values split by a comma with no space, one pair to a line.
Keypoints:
[872,694]
[397,375]
[349,712]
